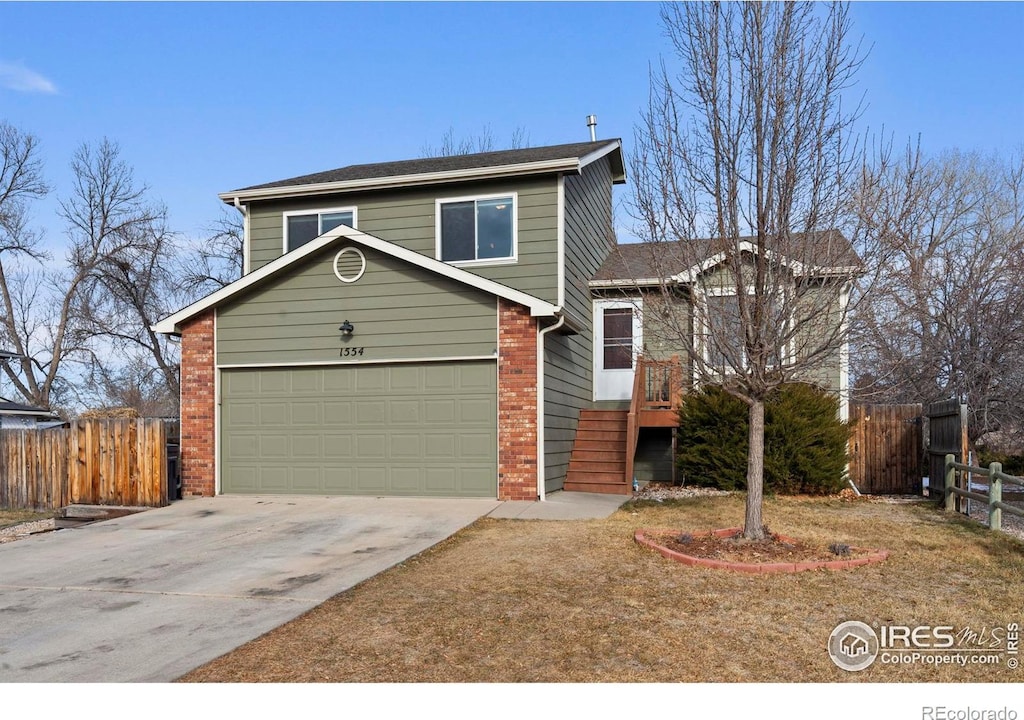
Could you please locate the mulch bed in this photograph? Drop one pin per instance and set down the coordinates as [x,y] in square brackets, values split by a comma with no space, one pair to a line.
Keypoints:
[734,548]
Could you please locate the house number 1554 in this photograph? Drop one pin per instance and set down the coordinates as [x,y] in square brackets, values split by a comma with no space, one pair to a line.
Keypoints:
[351,351]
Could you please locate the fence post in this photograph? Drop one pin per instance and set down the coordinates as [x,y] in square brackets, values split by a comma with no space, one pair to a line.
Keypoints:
[995,495]
[950,481]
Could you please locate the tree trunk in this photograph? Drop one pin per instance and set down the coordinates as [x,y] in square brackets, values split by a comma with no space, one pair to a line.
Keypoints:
[753,526]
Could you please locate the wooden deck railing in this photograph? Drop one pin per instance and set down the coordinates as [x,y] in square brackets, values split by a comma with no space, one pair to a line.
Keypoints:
[657,385]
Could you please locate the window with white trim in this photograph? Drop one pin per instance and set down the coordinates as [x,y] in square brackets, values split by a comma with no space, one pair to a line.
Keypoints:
[302,226]
[720,313]
[477,229]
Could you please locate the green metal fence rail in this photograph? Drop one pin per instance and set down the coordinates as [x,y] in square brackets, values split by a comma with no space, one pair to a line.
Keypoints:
[994,498]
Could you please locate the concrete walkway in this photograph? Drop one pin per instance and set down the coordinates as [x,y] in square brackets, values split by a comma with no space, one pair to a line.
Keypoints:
[562,506]
[151,596]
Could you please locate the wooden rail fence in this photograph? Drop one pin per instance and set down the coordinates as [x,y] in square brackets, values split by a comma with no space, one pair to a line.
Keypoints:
[994,498]
[93,462]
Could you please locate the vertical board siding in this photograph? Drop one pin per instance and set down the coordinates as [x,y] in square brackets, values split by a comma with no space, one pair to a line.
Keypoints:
[886,449]
[92,462]
[568,368]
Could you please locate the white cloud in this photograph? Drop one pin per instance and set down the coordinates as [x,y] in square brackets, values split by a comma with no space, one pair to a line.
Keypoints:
[16,76]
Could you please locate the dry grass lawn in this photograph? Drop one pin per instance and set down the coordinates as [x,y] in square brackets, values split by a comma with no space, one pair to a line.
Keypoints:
[15,517]
[542,601]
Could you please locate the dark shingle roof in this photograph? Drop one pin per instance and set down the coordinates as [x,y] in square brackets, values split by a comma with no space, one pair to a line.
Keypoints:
[450,163]
[8,406]
[649,260]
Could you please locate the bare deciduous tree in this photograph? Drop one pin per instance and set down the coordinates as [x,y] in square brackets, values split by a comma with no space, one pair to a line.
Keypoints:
[104,296]
[744,161]
[947,320]
[480,143]
[217,260]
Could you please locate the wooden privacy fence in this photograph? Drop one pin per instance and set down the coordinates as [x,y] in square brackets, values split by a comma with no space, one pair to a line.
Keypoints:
[947,434]
[886,449]
[960,487]
[93,462]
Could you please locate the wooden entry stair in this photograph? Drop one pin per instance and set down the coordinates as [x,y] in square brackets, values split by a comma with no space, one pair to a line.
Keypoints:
[605,446]
[598,460]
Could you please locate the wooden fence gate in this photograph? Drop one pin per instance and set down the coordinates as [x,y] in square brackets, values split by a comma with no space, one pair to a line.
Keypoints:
[947,434]
[886,449]
[94,462]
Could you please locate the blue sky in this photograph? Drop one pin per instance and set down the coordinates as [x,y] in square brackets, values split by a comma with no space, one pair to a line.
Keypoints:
[207,97]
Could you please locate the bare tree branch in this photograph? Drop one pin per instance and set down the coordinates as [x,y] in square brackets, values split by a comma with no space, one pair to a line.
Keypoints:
[744,167]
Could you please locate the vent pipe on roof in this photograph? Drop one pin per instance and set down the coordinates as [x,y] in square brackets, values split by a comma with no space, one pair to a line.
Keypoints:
[592,124]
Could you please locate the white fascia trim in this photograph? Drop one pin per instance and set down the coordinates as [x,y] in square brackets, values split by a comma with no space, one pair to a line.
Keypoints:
[626,283]
[32,413]
[335,363]
[318,212]
[244,209]
[538,307]
[844,355]
[560,237]
[690,275]
[571,164]
[600,153]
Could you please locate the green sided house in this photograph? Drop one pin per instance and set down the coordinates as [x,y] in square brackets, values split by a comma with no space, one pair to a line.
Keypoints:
[460,326]
[417,328]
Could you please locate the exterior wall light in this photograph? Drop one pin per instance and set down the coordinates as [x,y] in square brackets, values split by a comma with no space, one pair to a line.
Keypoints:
[347,329]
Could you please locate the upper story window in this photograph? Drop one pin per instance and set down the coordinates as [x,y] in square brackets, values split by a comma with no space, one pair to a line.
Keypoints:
[302,226]
[477,229]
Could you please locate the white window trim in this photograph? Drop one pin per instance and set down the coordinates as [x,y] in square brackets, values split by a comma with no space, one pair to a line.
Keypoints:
[513,259]
[313,211]
[701,327]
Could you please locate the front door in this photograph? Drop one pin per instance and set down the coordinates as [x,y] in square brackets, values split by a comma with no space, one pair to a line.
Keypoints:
[617,341]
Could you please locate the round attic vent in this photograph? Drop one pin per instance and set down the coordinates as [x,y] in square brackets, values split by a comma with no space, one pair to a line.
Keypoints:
[349,264]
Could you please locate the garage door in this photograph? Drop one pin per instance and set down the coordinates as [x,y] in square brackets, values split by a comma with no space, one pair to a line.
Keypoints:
[425,429]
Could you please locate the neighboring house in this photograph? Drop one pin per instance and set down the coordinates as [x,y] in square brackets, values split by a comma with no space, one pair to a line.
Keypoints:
[441,348]
[17,416]
[424,328]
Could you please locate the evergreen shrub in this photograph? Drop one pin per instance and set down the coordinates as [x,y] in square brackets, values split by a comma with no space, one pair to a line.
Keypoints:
[805,442]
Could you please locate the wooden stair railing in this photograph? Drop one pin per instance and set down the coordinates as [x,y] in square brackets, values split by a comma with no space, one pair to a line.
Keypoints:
[657,385]
[632,419]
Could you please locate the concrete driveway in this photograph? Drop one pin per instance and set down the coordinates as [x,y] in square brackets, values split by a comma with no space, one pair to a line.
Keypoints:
[150,596]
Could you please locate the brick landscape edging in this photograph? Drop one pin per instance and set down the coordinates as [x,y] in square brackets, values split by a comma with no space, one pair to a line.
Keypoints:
[875,556]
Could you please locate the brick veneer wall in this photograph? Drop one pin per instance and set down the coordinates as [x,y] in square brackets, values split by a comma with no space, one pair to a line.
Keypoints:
[197,407]
[517,402]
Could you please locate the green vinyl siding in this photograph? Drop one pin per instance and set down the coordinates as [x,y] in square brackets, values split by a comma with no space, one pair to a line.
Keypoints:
[399,311]
[568,369]
[407,217]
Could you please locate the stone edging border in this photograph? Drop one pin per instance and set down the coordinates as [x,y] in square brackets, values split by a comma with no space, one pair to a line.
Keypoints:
[641,538]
